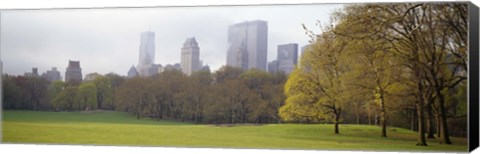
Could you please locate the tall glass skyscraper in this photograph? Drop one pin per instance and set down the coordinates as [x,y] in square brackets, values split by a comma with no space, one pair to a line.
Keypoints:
[248,45]
[147,53]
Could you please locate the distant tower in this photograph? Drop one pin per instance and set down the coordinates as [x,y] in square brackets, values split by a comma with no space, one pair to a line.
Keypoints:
[35,71]
[52,75]
[147,53]
[252,36]
[132,72]
[190,59]
[74,72]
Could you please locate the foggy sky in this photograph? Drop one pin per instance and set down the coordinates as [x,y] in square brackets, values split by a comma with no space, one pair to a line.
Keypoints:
[108,40]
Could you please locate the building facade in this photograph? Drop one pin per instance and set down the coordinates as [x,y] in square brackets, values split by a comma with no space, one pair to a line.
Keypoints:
[248,45]
[91,76]
[175,66]
[52,75]
[147,53]
[190,58]
[273,66]
[287,56]
[74,71]
[288,52]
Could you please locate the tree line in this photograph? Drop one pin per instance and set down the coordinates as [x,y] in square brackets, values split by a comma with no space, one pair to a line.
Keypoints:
[228,96]
[31,92]
[404,63]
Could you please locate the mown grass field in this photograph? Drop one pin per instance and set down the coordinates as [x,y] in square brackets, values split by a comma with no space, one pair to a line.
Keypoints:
[117,128]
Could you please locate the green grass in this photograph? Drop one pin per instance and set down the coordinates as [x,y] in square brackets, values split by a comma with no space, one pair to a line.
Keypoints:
[117,128]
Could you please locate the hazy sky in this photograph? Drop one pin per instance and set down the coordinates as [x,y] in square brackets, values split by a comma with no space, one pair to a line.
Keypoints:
[107,40]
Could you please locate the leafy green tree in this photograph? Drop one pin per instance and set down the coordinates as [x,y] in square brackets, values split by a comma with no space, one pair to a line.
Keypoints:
[190,100]
[269,95]
[161,95]
[268,107]
[428,39]
[104,92]
[195,94]
[65,100]
[35,89]
[116,81]
[86,98]
[374,64]
[11,92]
[227,72]
[300,105]
[55,89]
[133,96]
[166,85]
[204,77]
[237,95]
[320,81]
[215,109]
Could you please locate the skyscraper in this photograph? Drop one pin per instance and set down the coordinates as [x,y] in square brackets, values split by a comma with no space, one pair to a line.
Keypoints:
[74,72]
[190,59]
[288,51]
[52,75]
[248,45]
[147,53]
[287,56]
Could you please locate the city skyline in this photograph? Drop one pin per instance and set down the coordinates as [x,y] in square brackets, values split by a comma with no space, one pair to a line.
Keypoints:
[104,48]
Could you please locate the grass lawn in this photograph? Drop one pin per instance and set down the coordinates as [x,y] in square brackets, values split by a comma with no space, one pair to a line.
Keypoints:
[117,128]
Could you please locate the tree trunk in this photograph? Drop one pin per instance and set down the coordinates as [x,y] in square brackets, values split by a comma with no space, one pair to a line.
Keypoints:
[421,140]
[232,116]
[336,128]
[383,118]
[414,120]
[437,117]
[430,128]
[369,115]
[337,117]
[195,118]
[443,121]
[357,114]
